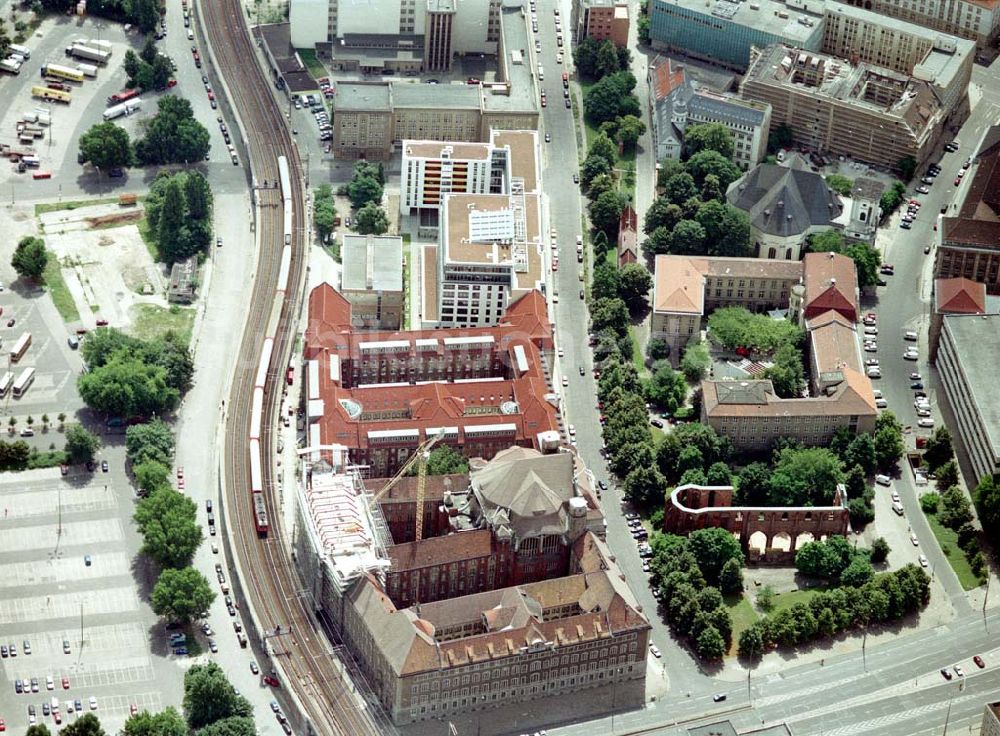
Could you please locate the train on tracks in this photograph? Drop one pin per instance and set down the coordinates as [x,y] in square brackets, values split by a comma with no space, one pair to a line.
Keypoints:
[261,520]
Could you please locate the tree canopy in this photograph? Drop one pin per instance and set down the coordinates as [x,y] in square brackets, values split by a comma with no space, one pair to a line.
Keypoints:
[182,595]
[30,258]
[106,146]
[167,722]
[611,98]
[152,440]
[209,697]
[371,220]
[166,520]
[736,327]
[708,137]
[81,444]
[805,477]
[173,135]
[179,214]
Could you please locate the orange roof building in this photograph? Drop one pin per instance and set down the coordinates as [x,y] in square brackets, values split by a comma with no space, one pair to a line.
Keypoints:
[954,296]
[380,394]
[831,282]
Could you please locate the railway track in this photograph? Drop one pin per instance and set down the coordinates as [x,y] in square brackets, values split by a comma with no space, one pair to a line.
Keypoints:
[269,580]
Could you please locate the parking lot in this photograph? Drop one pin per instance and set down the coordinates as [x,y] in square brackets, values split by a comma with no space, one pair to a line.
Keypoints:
[51,598]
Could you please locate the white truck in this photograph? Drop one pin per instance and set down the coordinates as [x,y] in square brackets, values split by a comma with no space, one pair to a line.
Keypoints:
[89,70]
[78,51]
[11,66]
[124,108]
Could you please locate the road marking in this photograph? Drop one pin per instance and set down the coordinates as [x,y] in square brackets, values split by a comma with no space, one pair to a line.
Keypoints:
[63,570]
[69,604]
[29,538]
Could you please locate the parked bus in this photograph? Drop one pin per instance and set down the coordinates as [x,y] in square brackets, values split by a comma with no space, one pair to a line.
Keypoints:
[63,72]
[24,382]
[21,346]
[24,51]
[54,95]
[5,382]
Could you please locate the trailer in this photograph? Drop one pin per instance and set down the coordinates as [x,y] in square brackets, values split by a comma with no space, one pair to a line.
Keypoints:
[20,50]
[89,70]
[62,72]
[124,95]
[124,108]
[79,51]
[11,66]
[52,95]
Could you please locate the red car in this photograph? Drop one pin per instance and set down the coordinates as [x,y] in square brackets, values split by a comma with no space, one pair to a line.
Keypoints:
[211,95]
[958,180]
[102,323]
[171,83]
[180,471]
[3,725]
[979,661]
[65,683]
[133,709]
[272,681]
[56,717]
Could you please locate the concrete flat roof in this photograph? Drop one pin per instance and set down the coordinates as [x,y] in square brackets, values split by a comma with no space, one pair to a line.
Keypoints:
[360,96]
[372,262]
[977,344]
[762,15]
[416,94]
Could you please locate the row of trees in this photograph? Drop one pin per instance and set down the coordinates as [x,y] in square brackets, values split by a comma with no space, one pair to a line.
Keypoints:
[179,214]
[886,597]
[692,217]
[149,69]
[599,182]
[692,574]
[133,378]
[171,136]
[595,59]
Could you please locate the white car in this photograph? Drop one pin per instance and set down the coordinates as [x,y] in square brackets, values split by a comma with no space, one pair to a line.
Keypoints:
[93,703]
[565,381]
[922,412]
[572,431]
[895,496]
[655,651]
[910,355]
[874,372]
[561,352]
[871,330]
[925,422]
[871,347]
[914,540]
[923,561]
[871,361]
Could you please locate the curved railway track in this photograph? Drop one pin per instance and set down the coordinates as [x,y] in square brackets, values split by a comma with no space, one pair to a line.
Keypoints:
[269,579]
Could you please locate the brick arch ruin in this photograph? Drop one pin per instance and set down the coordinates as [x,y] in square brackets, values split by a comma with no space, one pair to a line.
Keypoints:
[783,529]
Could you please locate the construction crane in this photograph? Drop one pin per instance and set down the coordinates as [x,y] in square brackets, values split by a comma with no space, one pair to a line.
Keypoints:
[420,457]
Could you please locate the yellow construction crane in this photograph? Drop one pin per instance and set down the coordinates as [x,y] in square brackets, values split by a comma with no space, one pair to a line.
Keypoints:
[419,456]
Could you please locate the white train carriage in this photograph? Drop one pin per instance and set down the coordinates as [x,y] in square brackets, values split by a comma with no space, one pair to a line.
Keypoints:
[265,362]
[256,413]
[286,265]
[288,220]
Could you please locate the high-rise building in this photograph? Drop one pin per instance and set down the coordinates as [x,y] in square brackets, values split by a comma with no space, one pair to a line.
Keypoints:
[602,20]
[432,170]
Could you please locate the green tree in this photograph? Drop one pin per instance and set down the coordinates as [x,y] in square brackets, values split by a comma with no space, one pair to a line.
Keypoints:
[696,362]
[81,445]
[197,196]
[171,236]
[585,57]
[86,725]
[182,595]
[173,135]
[662,213]
[679,188]
[606,281]
[840,184]
[988,506]
[787,374]
[906,167]
[630,129]
[127,387]
[827,241]
[805,477]
[892,198]
[209,697]
[888,440]
[145,14]
[780,136]
[151,476]
[666,388]
[939,451]
[645,486]
[753,484]
[708,162]
[712,548]
[611,98]
[708,137]
[719,474]
[929,503]
[444,460]
[736,327]
[880,550]
[167,722]
[635,282]
[751,644]
[947,475]
[605,212]
[152,440]
[604,148]
[710,645]
[593,167]
[232,726]
[856,482]
[364,189]
[688,239]
[161,71]
[861,452]
[106,146]
[166,519]
[30,258]
[611,314]
[149,51]
[658,243]
[731,577]
[605,60]
[131,64]
[324,212]
[954,509]
[857,573]
[371,219]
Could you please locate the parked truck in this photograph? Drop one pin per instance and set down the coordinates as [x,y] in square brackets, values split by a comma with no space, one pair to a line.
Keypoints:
[89,70]
[79,51]
[123,96]
[11,66]
[124,108]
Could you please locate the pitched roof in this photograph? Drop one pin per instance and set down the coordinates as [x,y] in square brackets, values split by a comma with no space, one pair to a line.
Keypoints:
[679,285]
[666,77]
[853,397]
[784,201]
[830,283]
[978,221]
[960,296]
[526,482]
[456,547]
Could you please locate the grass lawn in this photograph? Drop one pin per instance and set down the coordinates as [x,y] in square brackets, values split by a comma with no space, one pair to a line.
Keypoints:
[57,289]
[742,614]
[789,599]
[147,237]
[152,321]
[313,64]
[948,539]
[638,359]
[591,131]
[41,209]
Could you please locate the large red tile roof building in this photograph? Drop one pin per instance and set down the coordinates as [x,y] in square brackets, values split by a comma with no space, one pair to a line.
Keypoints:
[380,394]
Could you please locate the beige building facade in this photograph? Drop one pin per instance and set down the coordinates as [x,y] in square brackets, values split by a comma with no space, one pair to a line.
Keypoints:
[977,20]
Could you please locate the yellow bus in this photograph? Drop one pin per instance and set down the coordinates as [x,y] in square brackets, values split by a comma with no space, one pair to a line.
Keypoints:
[52,95]
[62,72]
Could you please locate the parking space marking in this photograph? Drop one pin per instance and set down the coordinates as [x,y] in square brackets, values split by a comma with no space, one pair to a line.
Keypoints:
[63,570]
[107,672]
[68,604]
[73,533]
[46,646]
[46,500]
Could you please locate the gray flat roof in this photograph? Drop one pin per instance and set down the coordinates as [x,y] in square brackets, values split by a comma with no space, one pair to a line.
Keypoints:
[765,18]
[361,96]
[521,77]
[977,347]
[382,255]
[416,94]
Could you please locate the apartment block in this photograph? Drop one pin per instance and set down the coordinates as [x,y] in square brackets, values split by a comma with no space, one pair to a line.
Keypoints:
[991,720]
[603,20]
[977,20]
[678,102]
[372,280]
[955,296]
[967,352]
[859,110]
[381,394]
[431,170]
[970,238]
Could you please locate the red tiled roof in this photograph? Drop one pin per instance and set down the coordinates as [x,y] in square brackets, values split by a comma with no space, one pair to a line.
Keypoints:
[978,221]
[830,283]
[441,550]
[960,296]
[665,77]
